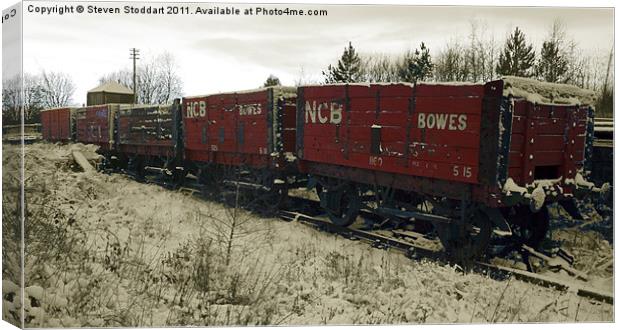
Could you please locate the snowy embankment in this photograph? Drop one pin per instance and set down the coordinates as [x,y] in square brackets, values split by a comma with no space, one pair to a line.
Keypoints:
[104,250]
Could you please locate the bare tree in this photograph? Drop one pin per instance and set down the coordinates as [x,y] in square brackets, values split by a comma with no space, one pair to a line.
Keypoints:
[304,79]
[57,88]
[490,51]
[168,82]
[579,71]
[450,64]
[122,77]
[11,100]
[597,70]
[591,76]
[301,78]
[147,83]
[14,98]
[378,68]
[472,54]
[157,79]
[482,54]
[474,61]
[605,102]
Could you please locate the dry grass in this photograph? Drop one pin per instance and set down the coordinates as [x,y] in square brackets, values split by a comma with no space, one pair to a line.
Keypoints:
[11,236]
[106,251]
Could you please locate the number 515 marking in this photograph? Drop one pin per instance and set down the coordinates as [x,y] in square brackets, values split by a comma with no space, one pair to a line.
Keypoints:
[464,171]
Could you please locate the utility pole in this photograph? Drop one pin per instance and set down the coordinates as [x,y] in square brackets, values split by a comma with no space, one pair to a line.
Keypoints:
[611,56]
[134,56]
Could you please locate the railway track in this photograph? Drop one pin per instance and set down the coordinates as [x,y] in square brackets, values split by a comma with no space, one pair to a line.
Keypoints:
[401,242]
[603,132]
[603,143]
[415,251]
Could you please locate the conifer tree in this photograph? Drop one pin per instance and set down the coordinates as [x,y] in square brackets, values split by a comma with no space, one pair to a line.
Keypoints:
[416,66]
[272,81]
[552,64]
[348,69]
[517,58]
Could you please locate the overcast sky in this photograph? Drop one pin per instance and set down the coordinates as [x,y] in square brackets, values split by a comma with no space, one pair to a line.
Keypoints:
[228,53]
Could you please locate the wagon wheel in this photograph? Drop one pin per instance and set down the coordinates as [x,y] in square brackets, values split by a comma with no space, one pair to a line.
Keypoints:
[281,194]
[342,205]
[464,245]
[138,167]
[271,200]
[210,181]
[269,193]
[528,228]
[178,177]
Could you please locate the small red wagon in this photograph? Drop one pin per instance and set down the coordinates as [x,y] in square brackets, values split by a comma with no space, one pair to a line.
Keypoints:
[57,124]
[250,129]
[95,125]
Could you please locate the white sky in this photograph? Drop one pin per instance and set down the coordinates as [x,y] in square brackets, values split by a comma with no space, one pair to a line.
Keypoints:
[229,53]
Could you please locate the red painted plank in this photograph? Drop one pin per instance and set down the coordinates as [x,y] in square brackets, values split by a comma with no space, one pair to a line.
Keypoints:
[516,142]
[449,91]
[548,158]
[460,105]
[515,159]
[515,173]
[549,142]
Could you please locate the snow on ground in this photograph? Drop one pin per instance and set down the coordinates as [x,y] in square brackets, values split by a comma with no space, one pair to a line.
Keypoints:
[589,241]
[104,250]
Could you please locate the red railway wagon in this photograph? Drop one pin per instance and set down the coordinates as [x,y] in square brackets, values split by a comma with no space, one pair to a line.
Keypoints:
[147,130]
[465,158]
[251,128]
[95,125]
[57,123]
[423,132]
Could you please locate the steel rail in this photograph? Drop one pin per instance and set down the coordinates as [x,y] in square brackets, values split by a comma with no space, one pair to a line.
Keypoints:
[413,250]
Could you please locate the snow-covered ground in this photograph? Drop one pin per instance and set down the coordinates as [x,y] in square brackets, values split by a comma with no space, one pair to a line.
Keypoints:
[104,250]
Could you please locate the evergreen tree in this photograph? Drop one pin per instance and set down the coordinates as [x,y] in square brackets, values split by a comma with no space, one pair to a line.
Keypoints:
[517,59]
[272,81]
[416,66]
[552,64]
[348,69]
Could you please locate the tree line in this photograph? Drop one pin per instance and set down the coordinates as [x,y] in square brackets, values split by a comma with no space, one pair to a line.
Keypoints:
[40,91]
[479,58]
[476,58]
[158,82]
